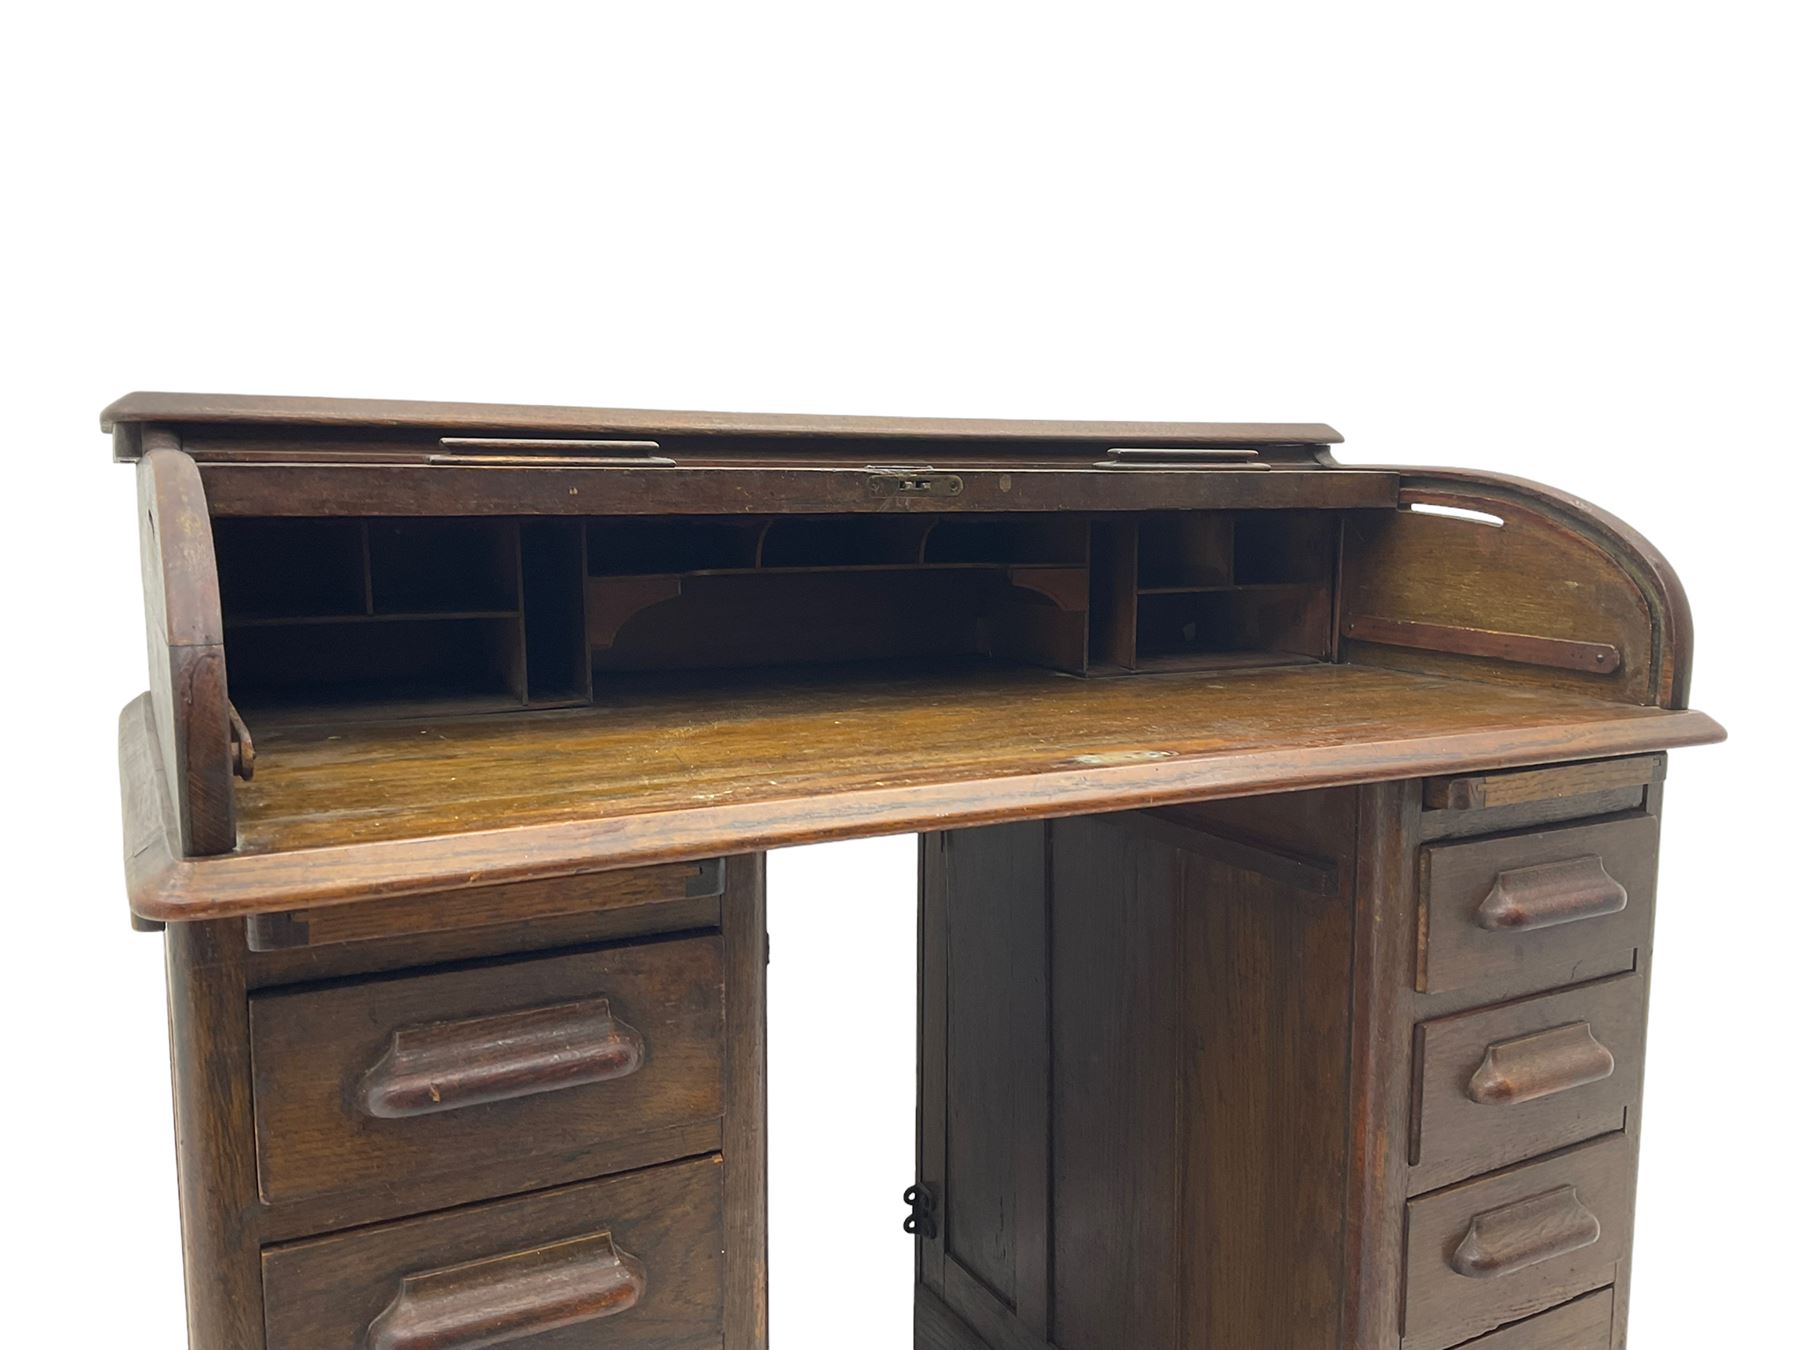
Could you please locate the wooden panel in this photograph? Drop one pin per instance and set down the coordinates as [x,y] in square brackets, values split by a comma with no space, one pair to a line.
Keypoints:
[1117,1087]
[746,938]
[996,1179]
[482,906]
[935,1327]
[1502,908]
[498,1273]
[252,409]
[315,1049]
[209,1049]
[669,769]
[288,488]
[184,634]
[1492,1251]
[1503,1084]
[1379,1099]
[1200,1030]
[1530,577]
[1512,787]
[1265,993]
[1585,1324]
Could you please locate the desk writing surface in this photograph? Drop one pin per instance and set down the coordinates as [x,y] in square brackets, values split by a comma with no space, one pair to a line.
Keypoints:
[682,767]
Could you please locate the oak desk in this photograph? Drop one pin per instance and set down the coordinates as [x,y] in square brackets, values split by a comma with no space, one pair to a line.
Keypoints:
[1288,858]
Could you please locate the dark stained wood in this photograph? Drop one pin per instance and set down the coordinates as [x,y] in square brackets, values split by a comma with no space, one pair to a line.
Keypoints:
[1379,1086]
[501,1057]
[192,717]
[506,1298]
[1194,1184]
[1601,658]
[499,1268]
[382,489]
[672,772]
[1584,1324]
[1671,618]
[935,1327]
[1540,902]
[186,409]
[447,1071]
[746,952]
[1514,787]
[1118,1086]
[1535,577]
[996,1178]
[215,1135]
[1235,1066]
[1531,815]
[483,907]
[1499,1085]
[1498,1249]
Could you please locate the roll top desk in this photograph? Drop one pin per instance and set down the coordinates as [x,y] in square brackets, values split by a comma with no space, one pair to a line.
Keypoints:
[1288,842]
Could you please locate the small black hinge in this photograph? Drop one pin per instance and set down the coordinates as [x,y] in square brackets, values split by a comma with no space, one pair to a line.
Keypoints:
[922,1222]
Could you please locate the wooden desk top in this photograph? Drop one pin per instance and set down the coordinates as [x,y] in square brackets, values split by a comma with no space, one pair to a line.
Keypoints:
[679,768]
[400,414]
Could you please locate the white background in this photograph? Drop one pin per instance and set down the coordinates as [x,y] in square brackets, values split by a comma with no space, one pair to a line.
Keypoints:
[1549,239]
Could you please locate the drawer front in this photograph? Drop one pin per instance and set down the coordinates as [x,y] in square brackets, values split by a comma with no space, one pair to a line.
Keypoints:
[1585,1324]
[1499,1085]
[1502,1248]
[633,1263]
[616,1054]
[1538,904]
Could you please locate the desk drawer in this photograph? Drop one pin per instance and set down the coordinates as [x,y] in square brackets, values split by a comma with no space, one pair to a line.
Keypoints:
[633,1263]
[615,1054]
[1542,904]
[1499,1085]
[1504,1247]
[1585,1324]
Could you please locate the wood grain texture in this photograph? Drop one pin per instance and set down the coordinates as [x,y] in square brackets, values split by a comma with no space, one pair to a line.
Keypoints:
[1379,1096]
[1665,599]
[215,1135]
[186,646]
[1546,901]
[321,1061]
[1516,787]
[1583,1324]
[1531,1237]
[502,1299]
[1532,578]
[728,489]
[333,1291]
[744,919]
[1562,1091]
[499,418]
[676,770]
[483,906]
[996,1182]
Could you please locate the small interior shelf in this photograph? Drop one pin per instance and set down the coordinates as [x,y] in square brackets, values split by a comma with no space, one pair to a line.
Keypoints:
[410,616]
[381,617]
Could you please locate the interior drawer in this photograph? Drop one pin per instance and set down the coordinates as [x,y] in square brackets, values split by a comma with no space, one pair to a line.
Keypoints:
[632,1263]
[1498,1249]
[1499,1085]
[615,1053]
[1541,903]
[1585,1324]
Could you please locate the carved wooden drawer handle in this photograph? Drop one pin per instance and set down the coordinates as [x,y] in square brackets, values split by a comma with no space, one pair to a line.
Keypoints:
[1509,1239]
[507,1298]
[1550,893]
[1539,1065]
[443,1066]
